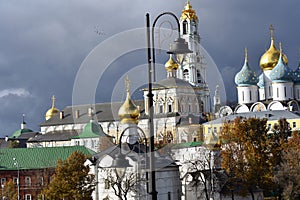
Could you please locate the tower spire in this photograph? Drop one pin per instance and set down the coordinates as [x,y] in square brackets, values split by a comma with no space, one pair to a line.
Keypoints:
[246,54]
[53,101]
[127,84]
[271,31]
[23,124]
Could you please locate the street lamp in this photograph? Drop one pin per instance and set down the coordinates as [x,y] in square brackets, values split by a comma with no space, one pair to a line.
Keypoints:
[120,163]
[180,48]
[18,180]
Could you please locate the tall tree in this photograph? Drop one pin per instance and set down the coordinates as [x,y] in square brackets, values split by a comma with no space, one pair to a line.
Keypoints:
[288,174]
[71,180]
[247,155]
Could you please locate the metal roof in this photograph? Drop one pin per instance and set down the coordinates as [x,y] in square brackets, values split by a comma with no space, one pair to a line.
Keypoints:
[37,158]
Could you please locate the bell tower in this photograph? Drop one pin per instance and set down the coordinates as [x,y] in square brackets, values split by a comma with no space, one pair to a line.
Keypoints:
[193,69]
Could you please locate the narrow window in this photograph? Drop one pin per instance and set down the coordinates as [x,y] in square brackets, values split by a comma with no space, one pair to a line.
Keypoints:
[243,96]
[41,181]
[277,92]
[284,91]
[184,26]
[106,184]
[186,74]
[27,196]
[27,181]
[15,180]
[3,181]
[170,108]
[294,124]
[270,91]
[209,129]
[161,108]
[250,94]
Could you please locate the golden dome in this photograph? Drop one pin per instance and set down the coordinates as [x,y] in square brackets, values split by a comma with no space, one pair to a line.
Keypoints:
[270,58]
[171,64]
[128,112]
[52,111]
[188,12]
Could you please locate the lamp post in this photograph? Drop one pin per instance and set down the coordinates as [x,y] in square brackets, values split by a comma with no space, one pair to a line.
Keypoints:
[179,47]
[120,163]
[18,180]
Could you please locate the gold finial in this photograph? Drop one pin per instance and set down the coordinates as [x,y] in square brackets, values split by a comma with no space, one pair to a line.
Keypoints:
[53,101]
[127,84]
[271,31]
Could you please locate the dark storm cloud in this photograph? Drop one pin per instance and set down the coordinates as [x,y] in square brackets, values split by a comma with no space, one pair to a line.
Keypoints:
[43,43]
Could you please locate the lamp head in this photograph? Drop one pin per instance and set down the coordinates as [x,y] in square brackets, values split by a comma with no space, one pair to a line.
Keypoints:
[120,163]
[180,48]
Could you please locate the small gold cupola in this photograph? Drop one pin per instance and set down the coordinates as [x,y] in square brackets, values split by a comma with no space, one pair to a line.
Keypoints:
[188,12]
[52,111]
[171,66]
[270,58]
[128,112]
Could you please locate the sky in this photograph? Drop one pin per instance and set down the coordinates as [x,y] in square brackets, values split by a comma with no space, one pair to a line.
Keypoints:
[46,47]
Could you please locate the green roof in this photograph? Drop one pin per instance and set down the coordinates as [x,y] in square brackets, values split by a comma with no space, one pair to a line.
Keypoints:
[91,130]
[188,144]
[20,131]
[37,158]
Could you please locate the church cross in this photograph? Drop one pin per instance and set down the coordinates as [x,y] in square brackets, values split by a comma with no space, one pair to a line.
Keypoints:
[272,31]
[53,100]
[127,83]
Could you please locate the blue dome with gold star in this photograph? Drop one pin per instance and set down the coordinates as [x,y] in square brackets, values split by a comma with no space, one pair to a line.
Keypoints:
[296,75]
[281,72]
[246,76]
[261,82]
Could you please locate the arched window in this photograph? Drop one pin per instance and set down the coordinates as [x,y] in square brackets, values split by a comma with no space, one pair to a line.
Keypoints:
[27,181]
[184,27]
[194,29]
[198,76]
[186,74]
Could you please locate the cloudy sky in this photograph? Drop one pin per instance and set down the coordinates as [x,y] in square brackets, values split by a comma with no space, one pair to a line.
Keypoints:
[45,44]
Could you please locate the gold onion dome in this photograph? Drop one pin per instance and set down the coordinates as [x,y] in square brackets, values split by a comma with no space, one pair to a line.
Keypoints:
[52,111]
[270,58]
[128,112]
[171,64]
[188,12]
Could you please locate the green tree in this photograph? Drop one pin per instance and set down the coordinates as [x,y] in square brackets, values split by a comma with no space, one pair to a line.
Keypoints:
[248,155]
[288,174]
[71,180]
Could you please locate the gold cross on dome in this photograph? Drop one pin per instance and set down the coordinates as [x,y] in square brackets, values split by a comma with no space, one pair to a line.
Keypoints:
[53,100]
[127,83]
[271,31]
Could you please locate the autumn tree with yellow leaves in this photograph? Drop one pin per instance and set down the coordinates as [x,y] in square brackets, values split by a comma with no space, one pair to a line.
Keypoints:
[71,180]
[250,153]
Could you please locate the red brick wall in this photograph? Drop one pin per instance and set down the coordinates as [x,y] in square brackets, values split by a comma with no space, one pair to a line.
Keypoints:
[35,176]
